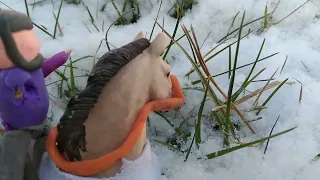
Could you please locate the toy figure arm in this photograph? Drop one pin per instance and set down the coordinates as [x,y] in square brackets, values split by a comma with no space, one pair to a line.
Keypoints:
[54,62]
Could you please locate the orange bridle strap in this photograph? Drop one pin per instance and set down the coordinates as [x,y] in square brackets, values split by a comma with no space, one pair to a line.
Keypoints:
[92,167]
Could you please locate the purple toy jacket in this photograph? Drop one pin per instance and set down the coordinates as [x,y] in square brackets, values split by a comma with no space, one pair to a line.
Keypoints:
[24,99]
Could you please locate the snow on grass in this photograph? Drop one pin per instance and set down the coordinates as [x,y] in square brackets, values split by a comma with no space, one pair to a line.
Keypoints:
[297,37]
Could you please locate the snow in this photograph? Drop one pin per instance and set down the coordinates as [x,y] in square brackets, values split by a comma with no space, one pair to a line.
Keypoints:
[298,37]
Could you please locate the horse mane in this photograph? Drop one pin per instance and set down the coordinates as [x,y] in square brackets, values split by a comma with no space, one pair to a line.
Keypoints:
[71,131]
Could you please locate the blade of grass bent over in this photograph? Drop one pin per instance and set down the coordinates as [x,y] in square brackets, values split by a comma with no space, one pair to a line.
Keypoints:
[189,150]
[204,67]
[198,81]
[272,94]
[218,116]
[256,92]
[256,101]
[290,13]
[246,24]
[111,26]
[229,150]
[214,55]
[274,125]
[285,61]
[202,63]
[167,145]
[246,82]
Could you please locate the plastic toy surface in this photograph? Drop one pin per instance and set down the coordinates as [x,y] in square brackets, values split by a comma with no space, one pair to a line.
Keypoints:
[105,124]
[24,100]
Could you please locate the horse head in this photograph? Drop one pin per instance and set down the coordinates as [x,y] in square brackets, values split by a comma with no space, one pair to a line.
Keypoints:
[106,121]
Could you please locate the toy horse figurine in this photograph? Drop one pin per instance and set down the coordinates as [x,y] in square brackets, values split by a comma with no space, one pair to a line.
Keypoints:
[24,100]
[102,134]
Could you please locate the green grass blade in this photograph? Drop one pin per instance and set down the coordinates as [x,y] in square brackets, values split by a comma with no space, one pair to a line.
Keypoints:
[154,24]
[285,61]
[43,30]
[255,63]
[57,19]
[265,22]
[230,57]
[27,9]
[198,126]
[246,24]
[214,55]
[111,26]
[72,81]
[220,115]
[205,39]
[228,119]
[167,145]
[81,58]
[246,81]
[6,5]
[89,12]
[86,27]
[178,131]
[189,150]
[198,81]
[119,14]
[63,78]
[272,94]
[174,34]
[274,125]
[124,5]
[255,103]
[229,150]
[316,158]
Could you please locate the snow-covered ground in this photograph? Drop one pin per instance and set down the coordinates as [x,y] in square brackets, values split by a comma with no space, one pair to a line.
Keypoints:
[298,37]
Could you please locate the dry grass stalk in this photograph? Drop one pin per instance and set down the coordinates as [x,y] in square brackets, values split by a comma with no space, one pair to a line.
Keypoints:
[59,27]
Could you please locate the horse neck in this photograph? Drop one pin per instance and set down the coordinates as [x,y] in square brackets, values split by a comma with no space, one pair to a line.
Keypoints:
[110,121]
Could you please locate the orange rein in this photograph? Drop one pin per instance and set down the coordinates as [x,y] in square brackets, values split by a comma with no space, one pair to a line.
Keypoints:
[92,167]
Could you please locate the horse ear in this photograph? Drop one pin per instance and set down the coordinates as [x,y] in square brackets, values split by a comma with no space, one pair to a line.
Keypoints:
[140,35]
[158,45]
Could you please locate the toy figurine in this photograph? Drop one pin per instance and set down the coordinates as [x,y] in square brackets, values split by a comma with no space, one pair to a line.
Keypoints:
[24,99]
[102,133]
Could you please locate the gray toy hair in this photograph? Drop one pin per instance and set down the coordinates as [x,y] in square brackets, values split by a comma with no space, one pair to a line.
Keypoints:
[11,22]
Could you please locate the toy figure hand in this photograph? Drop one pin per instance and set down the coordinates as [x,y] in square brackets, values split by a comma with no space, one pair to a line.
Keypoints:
[54,62]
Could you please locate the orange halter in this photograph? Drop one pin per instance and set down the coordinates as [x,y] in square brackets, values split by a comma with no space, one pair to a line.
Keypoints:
[91,167]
